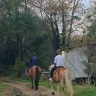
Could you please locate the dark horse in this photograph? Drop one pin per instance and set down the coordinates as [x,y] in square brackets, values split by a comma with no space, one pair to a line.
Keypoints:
[35,73]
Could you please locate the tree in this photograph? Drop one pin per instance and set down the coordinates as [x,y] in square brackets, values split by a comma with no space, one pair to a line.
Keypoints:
[21,33]
[91,47]
[59,12]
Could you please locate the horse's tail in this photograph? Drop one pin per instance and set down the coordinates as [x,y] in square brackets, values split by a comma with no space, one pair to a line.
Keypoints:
[68,82]
[37,75]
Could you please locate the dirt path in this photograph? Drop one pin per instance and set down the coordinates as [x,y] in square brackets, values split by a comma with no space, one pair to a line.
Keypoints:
[25,88]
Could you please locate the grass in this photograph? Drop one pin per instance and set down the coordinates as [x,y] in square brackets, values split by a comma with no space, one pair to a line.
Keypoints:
[84,90]
[79,90]
[3,89]
[6,90]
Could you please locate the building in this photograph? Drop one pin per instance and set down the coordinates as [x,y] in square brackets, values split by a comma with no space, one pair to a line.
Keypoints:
[74,60]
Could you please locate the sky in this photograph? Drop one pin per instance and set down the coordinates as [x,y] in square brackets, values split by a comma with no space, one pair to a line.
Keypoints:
[86,2]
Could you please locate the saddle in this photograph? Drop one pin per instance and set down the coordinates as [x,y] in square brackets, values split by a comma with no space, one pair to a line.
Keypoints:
[57,69]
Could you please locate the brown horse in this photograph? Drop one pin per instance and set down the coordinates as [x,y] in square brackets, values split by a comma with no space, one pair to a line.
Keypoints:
[35,73]
[62,75]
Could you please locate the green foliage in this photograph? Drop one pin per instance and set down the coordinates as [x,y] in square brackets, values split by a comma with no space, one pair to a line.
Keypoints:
[81,41]
[87,69]
[91,48]
[67,50]
[19,67]
[40,38]
[76,17]
[2,69]
[21,33]
[92,31]
[89,16]
[38,41]
[94,12]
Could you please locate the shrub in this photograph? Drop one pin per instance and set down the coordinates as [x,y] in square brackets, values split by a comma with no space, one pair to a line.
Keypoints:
[19,67]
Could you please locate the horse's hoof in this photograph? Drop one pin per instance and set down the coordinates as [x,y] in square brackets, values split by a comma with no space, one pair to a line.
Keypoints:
[53,93]
[32,87]
[36,88]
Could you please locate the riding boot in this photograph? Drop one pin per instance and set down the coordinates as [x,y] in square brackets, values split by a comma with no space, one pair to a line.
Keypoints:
[52,71]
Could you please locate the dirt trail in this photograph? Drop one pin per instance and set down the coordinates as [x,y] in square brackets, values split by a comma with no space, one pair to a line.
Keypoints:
[25,88]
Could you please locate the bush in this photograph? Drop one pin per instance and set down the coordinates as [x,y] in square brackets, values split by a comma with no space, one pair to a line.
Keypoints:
[19,67]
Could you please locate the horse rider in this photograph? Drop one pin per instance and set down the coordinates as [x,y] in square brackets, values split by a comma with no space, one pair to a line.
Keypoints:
[58,62]
[34,60]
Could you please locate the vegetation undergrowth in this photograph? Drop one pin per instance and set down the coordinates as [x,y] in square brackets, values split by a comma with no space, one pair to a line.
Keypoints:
[4,89]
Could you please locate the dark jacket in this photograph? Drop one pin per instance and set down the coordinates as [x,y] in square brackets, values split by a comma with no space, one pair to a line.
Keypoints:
[34,61]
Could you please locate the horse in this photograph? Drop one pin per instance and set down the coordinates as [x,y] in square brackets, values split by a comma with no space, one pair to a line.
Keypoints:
[62,76]
[35,73]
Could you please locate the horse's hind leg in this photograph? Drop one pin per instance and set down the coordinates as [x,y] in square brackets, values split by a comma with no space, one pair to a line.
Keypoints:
[32,82]
[58,88]
[52,88]
[62,86]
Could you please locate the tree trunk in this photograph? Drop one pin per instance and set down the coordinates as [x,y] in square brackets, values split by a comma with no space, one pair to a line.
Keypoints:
[63,29]
[57,40]
[54,35]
